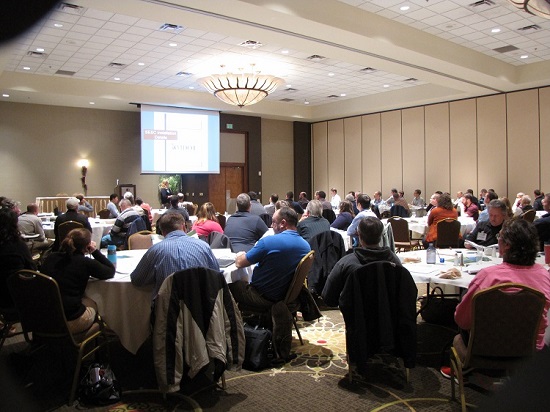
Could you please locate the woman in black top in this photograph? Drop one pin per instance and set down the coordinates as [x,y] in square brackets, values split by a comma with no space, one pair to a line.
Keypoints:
[345,217]
[72,269]
[165,193]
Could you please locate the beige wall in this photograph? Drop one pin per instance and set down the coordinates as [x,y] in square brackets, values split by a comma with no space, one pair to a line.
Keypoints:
[498,142]
[277,158]
[40,146]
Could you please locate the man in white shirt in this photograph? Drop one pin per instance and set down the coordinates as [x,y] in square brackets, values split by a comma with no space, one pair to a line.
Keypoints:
[112,206]
[270,208]
[335,199]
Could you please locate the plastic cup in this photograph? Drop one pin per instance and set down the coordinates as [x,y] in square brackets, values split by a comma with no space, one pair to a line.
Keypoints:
[547,253]
[479,255]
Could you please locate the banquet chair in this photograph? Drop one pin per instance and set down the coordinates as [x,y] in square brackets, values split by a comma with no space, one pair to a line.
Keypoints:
[8,319]
[291,298]
[65,227]
[505,324]
[218,240]
[198,331]
[221,220]
[38,302]
[329,248]
[398,210]
[448,233]
[329,215]
[267,219]
[529,215]
[402,235]
[378,304]
[104,214]
[140,240]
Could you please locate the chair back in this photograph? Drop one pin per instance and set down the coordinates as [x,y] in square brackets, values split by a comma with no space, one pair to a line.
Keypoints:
[505,325]
[218,240]
[140,240]
[400,229]
[529,215]
[329,248]
[38,301]
[267,219]
[448,233]
[329,215]
[104,214]
[299,278]
[398,210]
[65,227]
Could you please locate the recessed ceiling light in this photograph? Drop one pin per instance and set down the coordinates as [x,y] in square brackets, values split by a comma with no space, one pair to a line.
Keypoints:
[343,94]
[26,68]
[524,56]
[5,95]
[192,87]
[39,49]
[284,51]
[306,102]
[92,102]
[173,44]
[58,25]
[117,78]
[288,86]
[386,85]
[495,30]
[331,74]
[404,8]
[141,64]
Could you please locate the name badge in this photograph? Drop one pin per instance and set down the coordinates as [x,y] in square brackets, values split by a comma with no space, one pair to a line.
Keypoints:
[482,236]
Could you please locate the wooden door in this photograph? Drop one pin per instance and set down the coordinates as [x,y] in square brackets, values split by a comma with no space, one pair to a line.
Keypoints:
[232,178]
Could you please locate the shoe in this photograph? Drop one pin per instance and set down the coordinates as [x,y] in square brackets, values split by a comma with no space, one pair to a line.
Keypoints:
[447,372]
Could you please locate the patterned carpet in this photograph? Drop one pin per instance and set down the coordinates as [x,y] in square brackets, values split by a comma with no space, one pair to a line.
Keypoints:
[315,380]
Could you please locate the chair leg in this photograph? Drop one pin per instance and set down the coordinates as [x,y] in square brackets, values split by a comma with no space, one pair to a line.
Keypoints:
[224,386]
[297,330]
[456,370]
[408,375]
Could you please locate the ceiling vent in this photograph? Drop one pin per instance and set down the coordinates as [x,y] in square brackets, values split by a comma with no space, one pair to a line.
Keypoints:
[65,72]
[290,89]
[251,44]
[316,58]
[530,27]
[117,65]
[506,49]
[71,9]
[367,70]
[333,96]
[36,54]
[171,28]
[411,80]
[287,100]
[482,3]
[184,74]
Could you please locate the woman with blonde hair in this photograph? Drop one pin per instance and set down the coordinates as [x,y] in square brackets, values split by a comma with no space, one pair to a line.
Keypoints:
[207,221]
[71,269]
[165,193]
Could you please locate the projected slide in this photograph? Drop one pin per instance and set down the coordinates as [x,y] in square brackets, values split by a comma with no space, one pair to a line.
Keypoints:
[179,140]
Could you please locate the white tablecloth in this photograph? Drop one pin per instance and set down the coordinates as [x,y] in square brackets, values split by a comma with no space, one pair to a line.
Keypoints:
[420,225]
[127,308]
[100,227]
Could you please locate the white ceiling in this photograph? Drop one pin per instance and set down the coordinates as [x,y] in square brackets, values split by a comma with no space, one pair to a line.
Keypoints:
[437,50]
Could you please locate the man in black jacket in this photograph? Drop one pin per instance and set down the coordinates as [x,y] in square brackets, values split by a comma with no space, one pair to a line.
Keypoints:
[71,214]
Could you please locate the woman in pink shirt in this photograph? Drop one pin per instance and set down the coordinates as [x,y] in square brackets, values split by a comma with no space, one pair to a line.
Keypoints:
[207,221]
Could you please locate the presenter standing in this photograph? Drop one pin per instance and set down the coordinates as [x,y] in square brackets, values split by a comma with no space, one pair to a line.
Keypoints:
[165,193]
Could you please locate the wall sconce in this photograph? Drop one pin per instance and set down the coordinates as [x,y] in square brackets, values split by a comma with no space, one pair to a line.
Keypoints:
[83,164]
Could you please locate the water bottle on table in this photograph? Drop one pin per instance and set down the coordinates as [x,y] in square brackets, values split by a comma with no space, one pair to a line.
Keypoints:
[111,254]
[430,254]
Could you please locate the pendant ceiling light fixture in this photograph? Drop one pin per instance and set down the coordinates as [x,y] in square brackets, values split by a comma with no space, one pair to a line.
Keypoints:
[241,89]
[537,7]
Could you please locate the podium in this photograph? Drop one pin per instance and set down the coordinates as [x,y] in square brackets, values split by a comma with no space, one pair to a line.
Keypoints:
[122,188]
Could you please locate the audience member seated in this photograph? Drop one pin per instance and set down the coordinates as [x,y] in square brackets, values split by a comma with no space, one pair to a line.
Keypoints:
[119,230]
[524,206]
[321,197]
[270,208]
[207,222]
[176,252]
[30,224]
[256,207]
[518,247]
[399,200]
[486,233]
[517,201]
[112,206]
[14,253]
[433,201]
[484,215]
[312,222]
[293,204]
[363,204]
[345,216]
[146,208]
[542,224]
[71,269]
[469,207]
[444,210]
[350,197]
[84,207]
[417,200]
[391,199]
[475,200]
[303,200]
[377,199]
[277,258]
[243,228]
[537,203]
[175,208]
[71,214]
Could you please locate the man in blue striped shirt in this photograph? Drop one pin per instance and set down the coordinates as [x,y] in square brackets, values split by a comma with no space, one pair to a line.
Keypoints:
[176,252]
